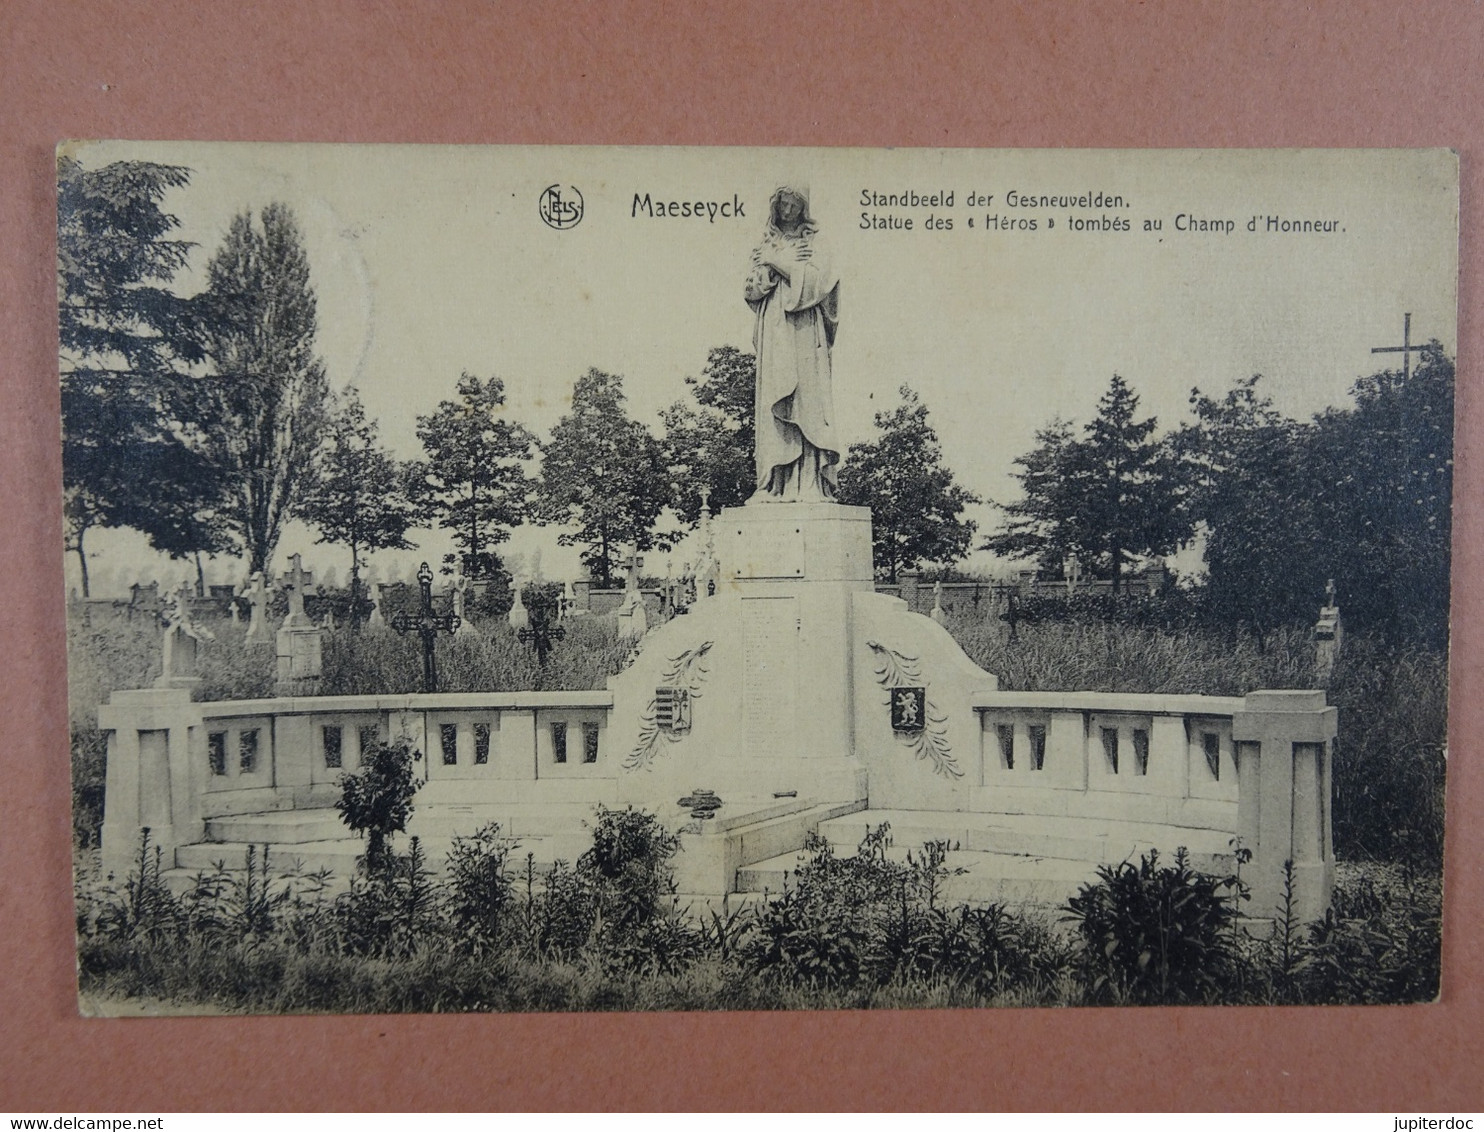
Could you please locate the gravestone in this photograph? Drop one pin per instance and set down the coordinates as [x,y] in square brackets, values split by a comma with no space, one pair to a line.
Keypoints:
[519,616]
[300,641]
[377,620]
[938,614]
[1329,638]
[256,593]
[460,594]
[632,616]
[179,664]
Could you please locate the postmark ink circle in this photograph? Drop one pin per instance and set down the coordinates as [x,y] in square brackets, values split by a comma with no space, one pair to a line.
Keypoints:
[561,206]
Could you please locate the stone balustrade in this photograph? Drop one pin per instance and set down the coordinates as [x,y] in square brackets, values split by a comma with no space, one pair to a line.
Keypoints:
[174,763]
[1253,768]
[1257,767]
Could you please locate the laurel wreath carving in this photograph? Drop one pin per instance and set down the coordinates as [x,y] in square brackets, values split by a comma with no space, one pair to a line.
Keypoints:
[688,670]
[897,670]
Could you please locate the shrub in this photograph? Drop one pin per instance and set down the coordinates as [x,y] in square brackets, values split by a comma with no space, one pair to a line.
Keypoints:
[142,908]
[376,800]
[89,767]
[629,863]
[1379,942]
[481,891]
[1156,935]
[392,910]
[869,921]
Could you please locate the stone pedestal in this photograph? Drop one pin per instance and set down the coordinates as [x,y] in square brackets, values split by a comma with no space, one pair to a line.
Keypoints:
[749,694]
[300,660]
[154,774]
[1283,741]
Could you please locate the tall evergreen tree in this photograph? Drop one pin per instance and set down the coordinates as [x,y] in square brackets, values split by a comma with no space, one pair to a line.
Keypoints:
[916,508]
[474,482]
[1113,496]
[603,473]
[359,496]
[127,341]
[710,442]
[269,392]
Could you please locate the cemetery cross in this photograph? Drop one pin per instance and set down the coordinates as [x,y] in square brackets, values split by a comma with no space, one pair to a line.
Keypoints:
[427,625]
[540,635]
[1406,349]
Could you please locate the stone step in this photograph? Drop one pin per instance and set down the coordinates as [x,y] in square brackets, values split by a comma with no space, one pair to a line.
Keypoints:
[1062,838]
[278,828]
[1000,878]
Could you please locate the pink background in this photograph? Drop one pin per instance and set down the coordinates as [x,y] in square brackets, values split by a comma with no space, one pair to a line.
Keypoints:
[816,73]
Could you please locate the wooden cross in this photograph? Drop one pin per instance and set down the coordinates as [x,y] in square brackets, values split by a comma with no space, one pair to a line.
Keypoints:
[427,625]
[1406,349]
[298,582]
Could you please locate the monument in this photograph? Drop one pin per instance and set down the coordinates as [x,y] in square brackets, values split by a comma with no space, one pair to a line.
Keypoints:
[791,699]
[780,687]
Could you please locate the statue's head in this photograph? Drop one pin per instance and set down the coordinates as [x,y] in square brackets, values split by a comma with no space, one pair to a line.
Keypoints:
[789,209]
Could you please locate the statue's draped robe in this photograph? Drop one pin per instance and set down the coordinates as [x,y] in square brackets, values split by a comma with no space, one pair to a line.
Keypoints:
[797,454]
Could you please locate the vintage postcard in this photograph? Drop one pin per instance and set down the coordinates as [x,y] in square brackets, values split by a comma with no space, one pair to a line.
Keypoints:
[541,578]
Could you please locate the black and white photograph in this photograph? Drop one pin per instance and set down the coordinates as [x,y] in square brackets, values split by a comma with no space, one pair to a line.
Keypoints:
[514,579]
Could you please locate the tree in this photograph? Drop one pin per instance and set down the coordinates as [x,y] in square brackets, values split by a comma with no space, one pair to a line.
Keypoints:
[1046,523]
[710,443]
[127,341]
[269,393]
[1252,488]
[474,483]
[1383,497]
[603,473]
[1108,498]
[1361,495]
[359,497]
[916,508]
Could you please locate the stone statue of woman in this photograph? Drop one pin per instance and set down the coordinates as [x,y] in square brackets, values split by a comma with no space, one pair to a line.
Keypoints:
[794,293]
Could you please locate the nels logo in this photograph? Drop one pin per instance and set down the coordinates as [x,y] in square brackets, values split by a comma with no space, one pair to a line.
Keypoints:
[561,206]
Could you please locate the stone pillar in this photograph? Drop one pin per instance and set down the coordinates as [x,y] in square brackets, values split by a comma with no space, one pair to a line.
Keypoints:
[151,777]
[516,758]
[1283,774]
[293,756]
[1169,756]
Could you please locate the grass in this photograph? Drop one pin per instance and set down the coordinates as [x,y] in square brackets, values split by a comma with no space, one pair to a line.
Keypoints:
[280,944]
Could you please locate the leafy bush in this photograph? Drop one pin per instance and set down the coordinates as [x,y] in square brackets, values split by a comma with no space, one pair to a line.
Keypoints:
[630,866]
[89,766]
[869,921]
[393,909]
[1157,935]
[1380,941]
[481,890]
[376,800]
[407,939]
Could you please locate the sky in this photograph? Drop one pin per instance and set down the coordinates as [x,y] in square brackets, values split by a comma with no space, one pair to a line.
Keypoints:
[432,261]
